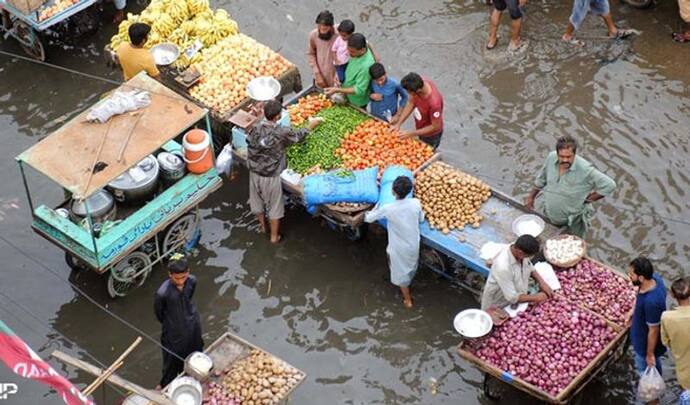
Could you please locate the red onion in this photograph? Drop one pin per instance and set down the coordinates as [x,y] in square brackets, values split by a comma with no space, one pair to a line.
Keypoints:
[599,289]
[541,354]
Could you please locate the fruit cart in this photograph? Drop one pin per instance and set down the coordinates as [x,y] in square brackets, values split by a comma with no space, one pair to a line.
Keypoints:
[27,20]
[229,353]
[497,380]
[87,158]
[348,218]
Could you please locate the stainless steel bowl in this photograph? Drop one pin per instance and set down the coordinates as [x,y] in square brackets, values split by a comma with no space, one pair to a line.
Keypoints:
[523,223]
[185,391]
[473,323]
[263,88]
[165,54]
[198,365]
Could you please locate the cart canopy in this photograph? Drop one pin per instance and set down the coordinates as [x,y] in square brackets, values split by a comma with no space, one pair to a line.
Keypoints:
[67,156]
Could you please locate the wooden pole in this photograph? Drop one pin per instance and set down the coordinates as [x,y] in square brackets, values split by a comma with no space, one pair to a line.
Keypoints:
[95,159]
[116,364]
[129,136]
[153,396]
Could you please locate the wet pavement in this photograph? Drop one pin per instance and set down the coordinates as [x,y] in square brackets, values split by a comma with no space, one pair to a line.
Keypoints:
[321,302]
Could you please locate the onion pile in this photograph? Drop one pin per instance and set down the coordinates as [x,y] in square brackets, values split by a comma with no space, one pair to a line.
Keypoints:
[598,289]
[258,379]
[547,346]
[450,198]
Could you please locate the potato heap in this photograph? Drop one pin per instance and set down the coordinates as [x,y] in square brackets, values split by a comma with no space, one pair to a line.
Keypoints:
[229,65]
[260,379]
[180,22]
[450,198]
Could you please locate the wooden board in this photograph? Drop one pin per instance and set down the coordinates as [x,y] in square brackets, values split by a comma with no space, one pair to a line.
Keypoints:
[67,155]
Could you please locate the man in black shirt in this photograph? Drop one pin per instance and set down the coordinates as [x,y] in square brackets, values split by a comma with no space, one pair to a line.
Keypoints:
[180,321]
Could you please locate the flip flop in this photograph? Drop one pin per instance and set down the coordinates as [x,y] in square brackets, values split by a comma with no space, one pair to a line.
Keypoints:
[680,37]
[519,48]
[624,33]
[280,239]
[408,306]
[573,41]
[490,47]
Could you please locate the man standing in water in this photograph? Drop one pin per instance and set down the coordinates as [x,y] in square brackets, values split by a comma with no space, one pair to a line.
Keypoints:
[515,9]
[180,321]
[599,7]
[570,185]
[319,52]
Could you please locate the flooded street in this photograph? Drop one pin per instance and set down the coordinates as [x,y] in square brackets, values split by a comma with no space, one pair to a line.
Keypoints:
[319,301]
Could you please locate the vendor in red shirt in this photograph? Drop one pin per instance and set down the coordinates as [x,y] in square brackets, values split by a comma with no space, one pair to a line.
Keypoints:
[427,104]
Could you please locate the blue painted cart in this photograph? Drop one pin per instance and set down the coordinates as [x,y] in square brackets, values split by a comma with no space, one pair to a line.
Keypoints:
[26,26]
[164,225]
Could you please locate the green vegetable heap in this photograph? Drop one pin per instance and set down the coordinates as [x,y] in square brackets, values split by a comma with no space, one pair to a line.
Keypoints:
[321,143]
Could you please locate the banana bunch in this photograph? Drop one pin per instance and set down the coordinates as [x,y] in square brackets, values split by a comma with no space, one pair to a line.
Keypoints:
[197,6]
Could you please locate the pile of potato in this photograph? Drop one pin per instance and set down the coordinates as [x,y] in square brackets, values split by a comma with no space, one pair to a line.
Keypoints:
[450,198]
[260,379]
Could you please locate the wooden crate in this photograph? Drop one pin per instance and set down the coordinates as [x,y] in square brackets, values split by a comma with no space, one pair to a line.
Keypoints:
[26,6]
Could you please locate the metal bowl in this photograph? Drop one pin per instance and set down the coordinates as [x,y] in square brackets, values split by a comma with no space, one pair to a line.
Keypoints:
[199,366]
[263,88]
[528,224]
[165,54]
[473,323]
[186,391]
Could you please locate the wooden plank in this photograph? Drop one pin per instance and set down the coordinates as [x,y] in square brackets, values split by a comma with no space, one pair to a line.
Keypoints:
[114,379]
[67,155]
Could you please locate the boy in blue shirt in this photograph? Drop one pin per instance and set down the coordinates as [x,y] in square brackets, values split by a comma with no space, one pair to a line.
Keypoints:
[646,319]
[387,95]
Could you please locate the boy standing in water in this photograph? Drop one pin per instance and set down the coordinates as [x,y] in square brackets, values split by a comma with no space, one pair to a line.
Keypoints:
[403,216]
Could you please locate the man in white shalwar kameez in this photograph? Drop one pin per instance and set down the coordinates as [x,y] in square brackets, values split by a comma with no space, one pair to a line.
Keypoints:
[403,217]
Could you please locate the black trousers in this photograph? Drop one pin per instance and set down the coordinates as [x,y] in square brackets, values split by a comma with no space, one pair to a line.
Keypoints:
[172,367]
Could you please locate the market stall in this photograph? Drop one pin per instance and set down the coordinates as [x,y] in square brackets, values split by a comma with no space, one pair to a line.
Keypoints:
[27,20]
[348,139]
[552,350]
[236,372]
[211,61]
[125,182]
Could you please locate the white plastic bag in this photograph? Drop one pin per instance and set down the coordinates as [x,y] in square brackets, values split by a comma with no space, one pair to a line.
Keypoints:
[224,160]
[118,103]
[652,385]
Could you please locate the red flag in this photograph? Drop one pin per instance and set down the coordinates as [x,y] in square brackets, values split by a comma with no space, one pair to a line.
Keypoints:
[19,357]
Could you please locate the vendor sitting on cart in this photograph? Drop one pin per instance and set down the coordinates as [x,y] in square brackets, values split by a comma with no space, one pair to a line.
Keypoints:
[266,144]
[508,282]
[134,57]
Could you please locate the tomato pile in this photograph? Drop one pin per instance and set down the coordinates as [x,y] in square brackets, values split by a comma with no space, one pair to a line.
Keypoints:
[373,143]
[307,107]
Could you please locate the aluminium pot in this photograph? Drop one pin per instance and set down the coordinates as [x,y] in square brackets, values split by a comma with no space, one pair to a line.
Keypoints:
[137,184]
[172,167]
[101,207]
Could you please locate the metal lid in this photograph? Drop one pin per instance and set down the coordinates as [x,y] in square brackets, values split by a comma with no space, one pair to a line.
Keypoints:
[170,161]
[99,203]
[143,173]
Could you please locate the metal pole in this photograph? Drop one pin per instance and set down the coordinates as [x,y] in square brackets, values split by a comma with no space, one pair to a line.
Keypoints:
[26,187]
[210,133]
[89,221]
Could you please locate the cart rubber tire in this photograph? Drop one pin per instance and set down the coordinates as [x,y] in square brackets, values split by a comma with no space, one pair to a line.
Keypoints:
[432,259]
[182,235]
[74,263]
[35,50]
[640,4]
[354,234]
[492,387]
[122,279]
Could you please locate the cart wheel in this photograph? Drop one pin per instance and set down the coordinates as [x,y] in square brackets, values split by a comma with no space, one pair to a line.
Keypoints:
[493,388]
[129,272]
[432,260]
[641,4]
[74,263]
[30,41]
[353,234]
[182,235]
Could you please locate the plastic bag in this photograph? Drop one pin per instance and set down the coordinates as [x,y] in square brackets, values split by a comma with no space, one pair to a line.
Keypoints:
[224,160]
[118,103]
[652,385]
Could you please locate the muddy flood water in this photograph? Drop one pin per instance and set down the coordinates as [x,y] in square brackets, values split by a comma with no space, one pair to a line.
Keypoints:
[320,301]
